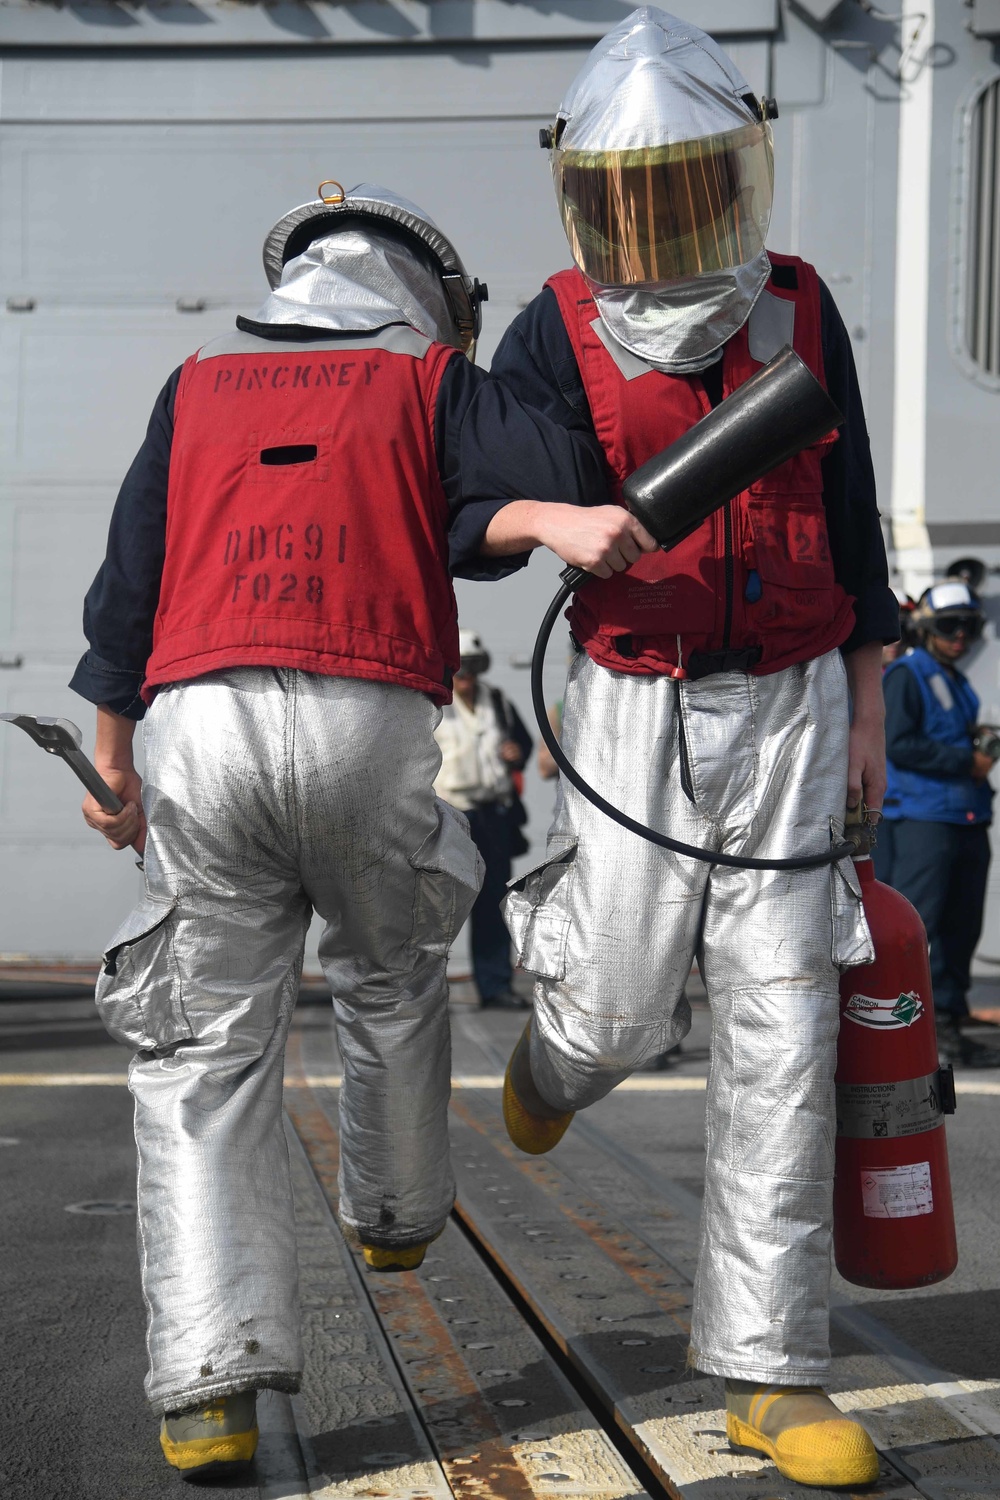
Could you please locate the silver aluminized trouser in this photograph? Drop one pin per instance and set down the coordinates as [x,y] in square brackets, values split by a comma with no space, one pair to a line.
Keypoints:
[270,793]
[610,925]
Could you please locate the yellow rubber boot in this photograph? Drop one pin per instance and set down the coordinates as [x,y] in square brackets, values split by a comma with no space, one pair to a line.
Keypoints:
[798,1427]
[212,1440]
[379,1258]
[532,1125]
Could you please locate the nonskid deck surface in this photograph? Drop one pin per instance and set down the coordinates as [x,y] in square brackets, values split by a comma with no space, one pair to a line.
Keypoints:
[594,1248]
[539,1351]
[475,1405]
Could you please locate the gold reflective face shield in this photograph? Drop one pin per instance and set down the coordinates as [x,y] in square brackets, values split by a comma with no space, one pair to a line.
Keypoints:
[669,212]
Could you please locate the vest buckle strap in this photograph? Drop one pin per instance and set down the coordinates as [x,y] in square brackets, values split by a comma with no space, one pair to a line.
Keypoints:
[737,659]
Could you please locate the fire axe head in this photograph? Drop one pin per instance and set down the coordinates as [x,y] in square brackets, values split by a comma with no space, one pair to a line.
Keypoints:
[62,737]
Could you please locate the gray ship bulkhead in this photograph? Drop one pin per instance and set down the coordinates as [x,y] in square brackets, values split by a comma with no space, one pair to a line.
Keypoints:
[144,153]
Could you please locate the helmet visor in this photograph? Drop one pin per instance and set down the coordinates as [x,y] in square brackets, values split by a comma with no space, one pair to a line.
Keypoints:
[665,213]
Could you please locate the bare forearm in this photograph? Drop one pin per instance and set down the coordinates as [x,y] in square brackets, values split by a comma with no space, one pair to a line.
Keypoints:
[601,539]
[864,677]
[113,758]
[514,529]
[113,741]
[866,747]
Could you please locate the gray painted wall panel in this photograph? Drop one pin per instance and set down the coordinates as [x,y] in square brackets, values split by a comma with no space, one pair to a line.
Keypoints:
[963,418]
[353,86]
[85,386]
[147,214]
[107,224]
[468,83]
[212,23]
[823,196]
[836,147]
[800,64]
[110,217]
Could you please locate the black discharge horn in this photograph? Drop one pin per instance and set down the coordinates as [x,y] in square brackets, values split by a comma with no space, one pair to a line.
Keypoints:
[771,417]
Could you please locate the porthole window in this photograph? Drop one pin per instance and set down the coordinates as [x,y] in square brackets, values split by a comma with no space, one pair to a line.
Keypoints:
[980,268]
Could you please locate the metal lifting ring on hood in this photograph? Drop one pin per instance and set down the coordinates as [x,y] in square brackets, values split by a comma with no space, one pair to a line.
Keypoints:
[374,205]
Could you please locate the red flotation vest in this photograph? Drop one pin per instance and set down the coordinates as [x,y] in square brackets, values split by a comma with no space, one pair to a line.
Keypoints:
[306,521]
[754,584]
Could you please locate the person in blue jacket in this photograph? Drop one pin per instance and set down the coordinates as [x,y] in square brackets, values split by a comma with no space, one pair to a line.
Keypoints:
[934,845]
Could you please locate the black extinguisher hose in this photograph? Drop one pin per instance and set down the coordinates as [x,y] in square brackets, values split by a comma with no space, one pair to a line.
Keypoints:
[662,840]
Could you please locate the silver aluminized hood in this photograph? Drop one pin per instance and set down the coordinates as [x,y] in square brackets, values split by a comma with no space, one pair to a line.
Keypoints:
[654,80]
[659,102]
[348,261]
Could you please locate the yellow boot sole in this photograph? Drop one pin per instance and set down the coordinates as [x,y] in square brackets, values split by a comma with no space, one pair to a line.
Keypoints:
[530,1133]
[205,1453]
[837,1454]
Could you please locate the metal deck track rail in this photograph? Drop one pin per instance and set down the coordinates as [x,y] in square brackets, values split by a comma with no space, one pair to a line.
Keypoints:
[597,1250]
[499,1420]
[615,1307]
[936,1435]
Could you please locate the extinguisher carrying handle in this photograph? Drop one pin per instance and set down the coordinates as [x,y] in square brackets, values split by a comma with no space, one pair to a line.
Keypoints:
[860,830]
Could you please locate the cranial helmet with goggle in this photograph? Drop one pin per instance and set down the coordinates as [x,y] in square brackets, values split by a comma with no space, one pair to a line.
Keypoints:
[949,609]
[394,217]
[475,659]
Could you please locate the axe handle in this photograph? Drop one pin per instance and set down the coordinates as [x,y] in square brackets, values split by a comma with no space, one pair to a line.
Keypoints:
[92,780]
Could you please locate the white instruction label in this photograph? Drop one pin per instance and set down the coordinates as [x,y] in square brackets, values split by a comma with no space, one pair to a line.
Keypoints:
[897,1192]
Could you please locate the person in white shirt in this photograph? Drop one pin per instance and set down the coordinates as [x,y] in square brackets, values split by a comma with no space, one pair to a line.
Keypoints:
[484,745]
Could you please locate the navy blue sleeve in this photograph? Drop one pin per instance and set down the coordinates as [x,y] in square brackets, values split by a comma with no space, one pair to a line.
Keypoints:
[120,606]
[535,360]
[493,446]
[906,745]
[856,542]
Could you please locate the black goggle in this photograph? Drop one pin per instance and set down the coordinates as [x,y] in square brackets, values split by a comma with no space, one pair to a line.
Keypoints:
[971,626]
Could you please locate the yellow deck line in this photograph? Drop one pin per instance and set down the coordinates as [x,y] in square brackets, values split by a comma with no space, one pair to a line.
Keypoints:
[643,1083]
[59,1080]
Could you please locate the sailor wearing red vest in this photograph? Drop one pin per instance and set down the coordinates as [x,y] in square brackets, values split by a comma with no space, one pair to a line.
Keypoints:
[710,699]
[275,599]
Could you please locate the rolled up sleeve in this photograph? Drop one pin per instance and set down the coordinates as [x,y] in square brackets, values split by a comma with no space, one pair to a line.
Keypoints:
[120,606]
[493,447]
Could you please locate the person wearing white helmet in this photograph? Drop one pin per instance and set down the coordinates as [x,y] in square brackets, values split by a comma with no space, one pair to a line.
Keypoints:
[276,603]
[708,697]
[939,803]
[484,747]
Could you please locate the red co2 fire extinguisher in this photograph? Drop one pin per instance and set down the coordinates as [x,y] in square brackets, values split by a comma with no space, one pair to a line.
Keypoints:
[893,1224]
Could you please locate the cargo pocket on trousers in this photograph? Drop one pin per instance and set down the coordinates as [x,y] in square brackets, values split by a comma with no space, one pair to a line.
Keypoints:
[852,942]
[537,913]
[138,992]
[449,874]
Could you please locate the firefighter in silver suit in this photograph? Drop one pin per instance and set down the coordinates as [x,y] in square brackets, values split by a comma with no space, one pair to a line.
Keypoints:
[726,691]
[276,603]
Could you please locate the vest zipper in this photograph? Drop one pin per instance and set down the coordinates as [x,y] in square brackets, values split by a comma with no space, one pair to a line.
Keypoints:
[727,526]
[687,786]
